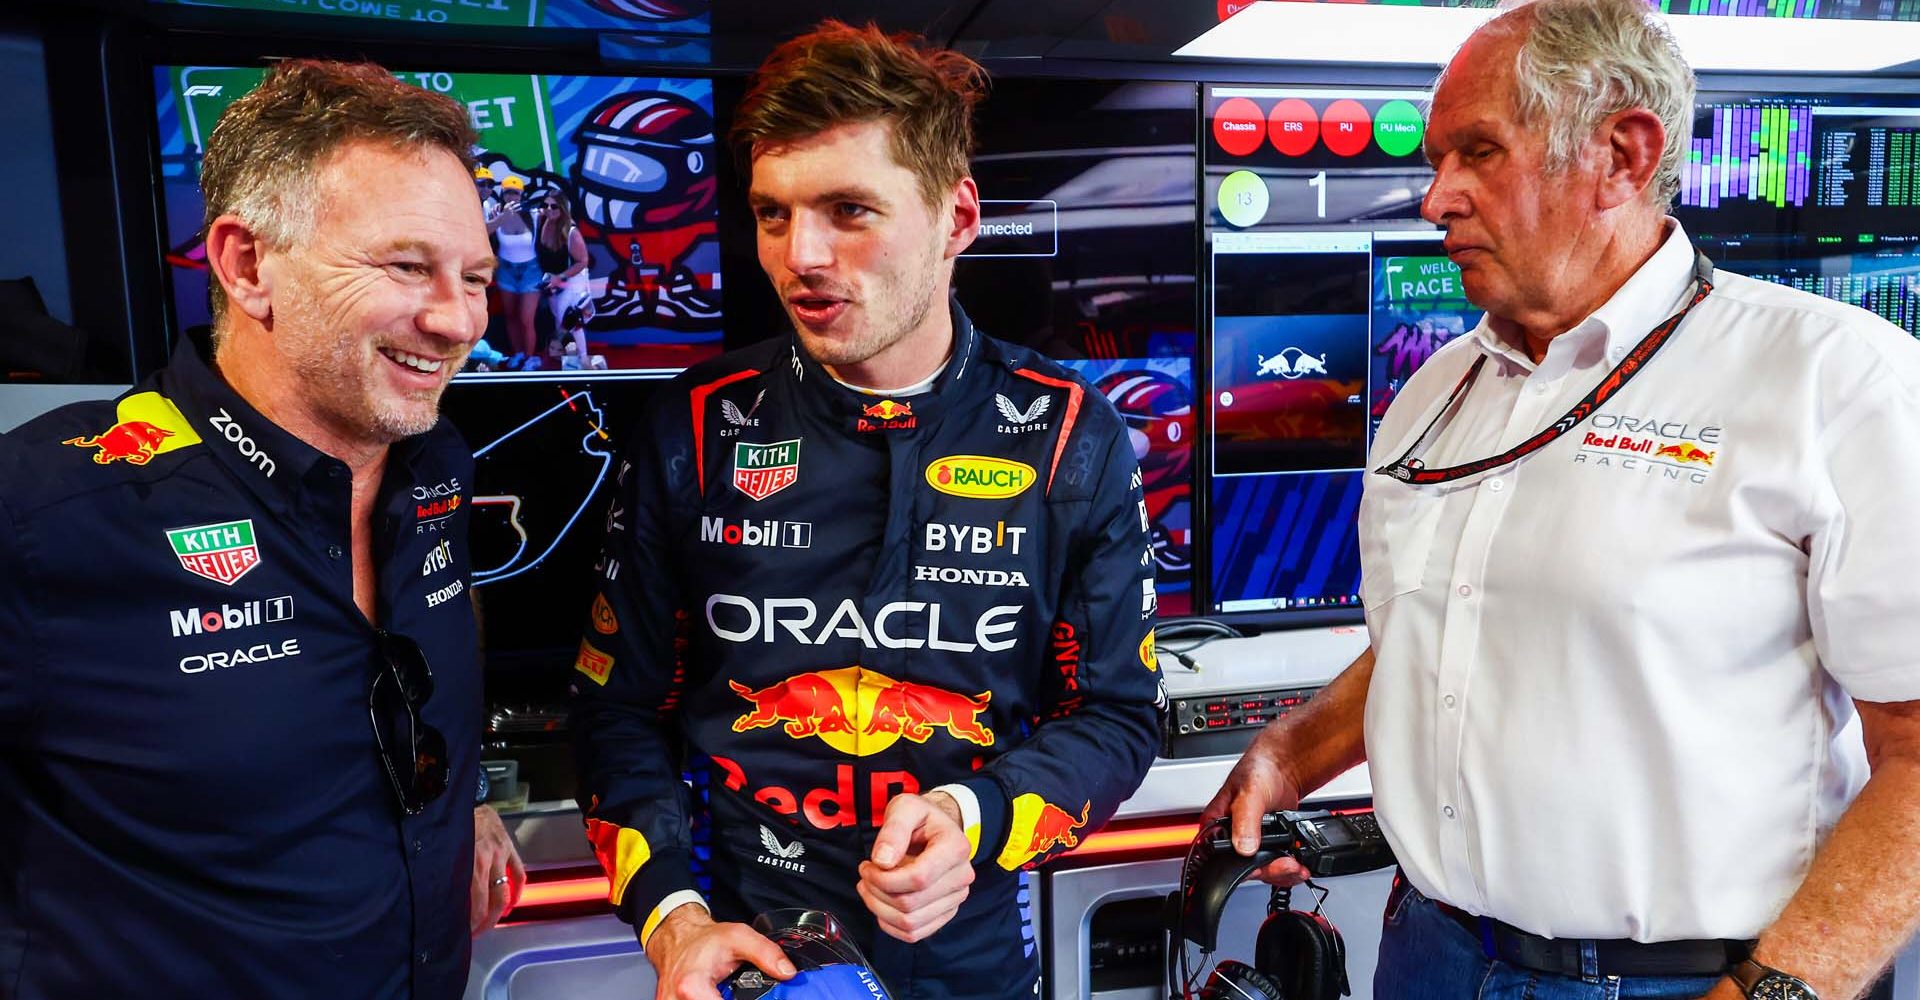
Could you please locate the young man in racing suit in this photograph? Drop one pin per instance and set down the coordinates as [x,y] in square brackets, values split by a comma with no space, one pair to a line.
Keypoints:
[885,583]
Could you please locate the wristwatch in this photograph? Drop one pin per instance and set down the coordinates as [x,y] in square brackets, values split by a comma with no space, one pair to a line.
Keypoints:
[1760,982]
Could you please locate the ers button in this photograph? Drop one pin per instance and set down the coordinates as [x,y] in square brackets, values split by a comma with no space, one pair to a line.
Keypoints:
[1466,590]
[1448,810]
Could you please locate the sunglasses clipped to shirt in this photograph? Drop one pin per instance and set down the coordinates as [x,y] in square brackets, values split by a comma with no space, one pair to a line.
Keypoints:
[417,766]
[1408,468]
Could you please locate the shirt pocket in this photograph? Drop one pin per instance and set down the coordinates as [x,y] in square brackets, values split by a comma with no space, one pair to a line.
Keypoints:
[1397,524]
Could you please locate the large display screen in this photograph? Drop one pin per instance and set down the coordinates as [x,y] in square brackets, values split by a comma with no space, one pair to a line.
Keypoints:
[1087,254]
[1818,192]
[676,16]
[1326,290]
[630,162]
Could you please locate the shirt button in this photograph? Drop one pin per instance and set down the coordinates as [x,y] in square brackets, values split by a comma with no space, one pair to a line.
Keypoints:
[1496,485]
[335,472]
[425,957]
[1539,388]
[1616,354]
[335,552]
[1466,590]
[1449,699]
[416,848]
[1448,810]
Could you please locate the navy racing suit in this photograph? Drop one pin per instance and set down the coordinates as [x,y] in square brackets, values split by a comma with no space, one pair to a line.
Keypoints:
[833,598]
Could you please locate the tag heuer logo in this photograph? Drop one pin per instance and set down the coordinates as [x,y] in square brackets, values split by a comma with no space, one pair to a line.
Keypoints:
[761,470]
[222,552]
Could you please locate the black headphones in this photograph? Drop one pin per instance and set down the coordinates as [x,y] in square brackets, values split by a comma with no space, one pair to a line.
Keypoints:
[1298,955]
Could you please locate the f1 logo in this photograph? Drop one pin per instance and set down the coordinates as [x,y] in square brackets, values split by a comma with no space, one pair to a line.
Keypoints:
[203,90]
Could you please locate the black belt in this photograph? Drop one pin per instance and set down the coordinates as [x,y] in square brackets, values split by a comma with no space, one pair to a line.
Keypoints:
[1561,956]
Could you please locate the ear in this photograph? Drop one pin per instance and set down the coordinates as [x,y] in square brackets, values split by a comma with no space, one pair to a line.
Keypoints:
[963,225]
[1634,141]
[234,254]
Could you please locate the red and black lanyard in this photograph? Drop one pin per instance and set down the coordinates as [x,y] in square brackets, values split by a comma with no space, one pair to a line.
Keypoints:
[1409,469]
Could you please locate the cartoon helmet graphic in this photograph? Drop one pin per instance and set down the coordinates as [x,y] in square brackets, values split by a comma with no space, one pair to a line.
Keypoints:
[512,183]
[482,174]
[644,162]
[652,10]
[1158,412]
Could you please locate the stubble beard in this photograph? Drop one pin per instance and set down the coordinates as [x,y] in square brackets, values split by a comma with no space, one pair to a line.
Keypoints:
[884,330]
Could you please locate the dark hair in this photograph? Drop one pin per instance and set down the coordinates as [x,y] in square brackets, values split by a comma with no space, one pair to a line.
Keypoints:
[837,74]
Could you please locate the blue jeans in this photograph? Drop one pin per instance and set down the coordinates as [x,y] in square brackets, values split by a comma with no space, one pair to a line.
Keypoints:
[1424,955]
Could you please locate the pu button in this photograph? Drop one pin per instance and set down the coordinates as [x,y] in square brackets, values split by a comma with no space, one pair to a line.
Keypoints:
[416,848]
[335,552]
[1465,590]
[425,957]
[1539,388]
[1496,485]
[1449,700]
[1448,810]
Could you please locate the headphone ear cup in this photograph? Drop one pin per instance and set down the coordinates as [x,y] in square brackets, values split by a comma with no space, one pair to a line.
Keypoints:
[1305,954]
[1239,981]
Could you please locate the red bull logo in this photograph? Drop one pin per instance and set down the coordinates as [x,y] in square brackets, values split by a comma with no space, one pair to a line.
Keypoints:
[888,409]
[1686,452]
[861,712]
[1055,828]
[1039,826]
[148,425]
[134,442]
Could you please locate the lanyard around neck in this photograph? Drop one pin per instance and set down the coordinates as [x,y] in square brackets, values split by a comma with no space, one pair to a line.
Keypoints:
[1409,469]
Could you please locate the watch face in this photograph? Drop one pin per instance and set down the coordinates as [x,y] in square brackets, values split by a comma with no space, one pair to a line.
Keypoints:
[1780,986]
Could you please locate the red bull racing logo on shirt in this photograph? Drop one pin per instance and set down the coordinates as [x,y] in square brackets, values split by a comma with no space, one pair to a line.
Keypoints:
[222,552]
[149,425]
[1677,450]
[761,470]
[860,712]
[1039,826]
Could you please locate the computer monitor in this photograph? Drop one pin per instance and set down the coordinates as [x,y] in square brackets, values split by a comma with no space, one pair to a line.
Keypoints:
[1817,191]
[1325,292]
[631,159]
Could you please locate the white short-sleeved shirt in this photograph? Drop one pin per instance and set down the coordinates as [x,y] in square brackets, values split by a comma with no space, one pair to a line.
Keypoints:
[1612,693]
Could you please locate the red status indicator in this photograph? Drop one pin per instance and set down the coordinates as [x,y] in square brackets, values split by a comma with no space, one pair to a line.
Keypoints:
[1238,126]
[1228,8]
[1347,127]
[1293,127]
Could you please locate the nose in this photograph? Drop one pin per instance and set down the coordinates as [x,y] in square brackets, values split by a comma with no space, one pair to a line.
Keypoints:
[453,310]
[809,242]
[1443,201]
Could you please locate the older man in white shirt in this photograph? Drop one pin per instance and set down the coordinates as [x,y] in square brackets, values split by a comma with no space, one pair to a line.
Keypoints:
[1640,552]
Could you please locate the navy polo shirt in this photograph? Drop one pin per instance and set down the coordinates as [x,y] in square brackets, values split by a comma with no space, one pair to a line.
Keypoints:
[191,802]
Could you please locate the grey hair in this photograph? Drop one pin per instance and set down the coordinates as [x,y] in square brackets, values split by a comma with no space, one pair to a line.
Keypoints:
[263,159]
[1580,61]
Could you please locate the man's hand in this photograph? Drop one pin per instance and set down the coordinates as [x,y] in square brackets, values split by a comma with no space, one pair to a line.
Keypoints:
[498,874]
[691,953]
[1260,783]
[919,873]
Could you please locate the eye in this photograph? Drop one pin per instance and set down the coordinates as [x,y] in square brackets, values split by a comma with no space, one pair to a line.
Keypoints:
[851,210]
[768,215]
[409,267]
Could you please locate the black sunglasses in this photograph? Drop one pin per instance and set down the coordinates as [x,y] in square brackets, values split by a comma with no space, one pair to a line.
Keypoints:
[418,768]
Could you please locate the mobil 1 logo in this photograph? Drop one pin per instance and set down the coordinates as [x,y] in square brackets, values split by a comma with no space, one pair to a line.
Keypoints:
[228,617]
